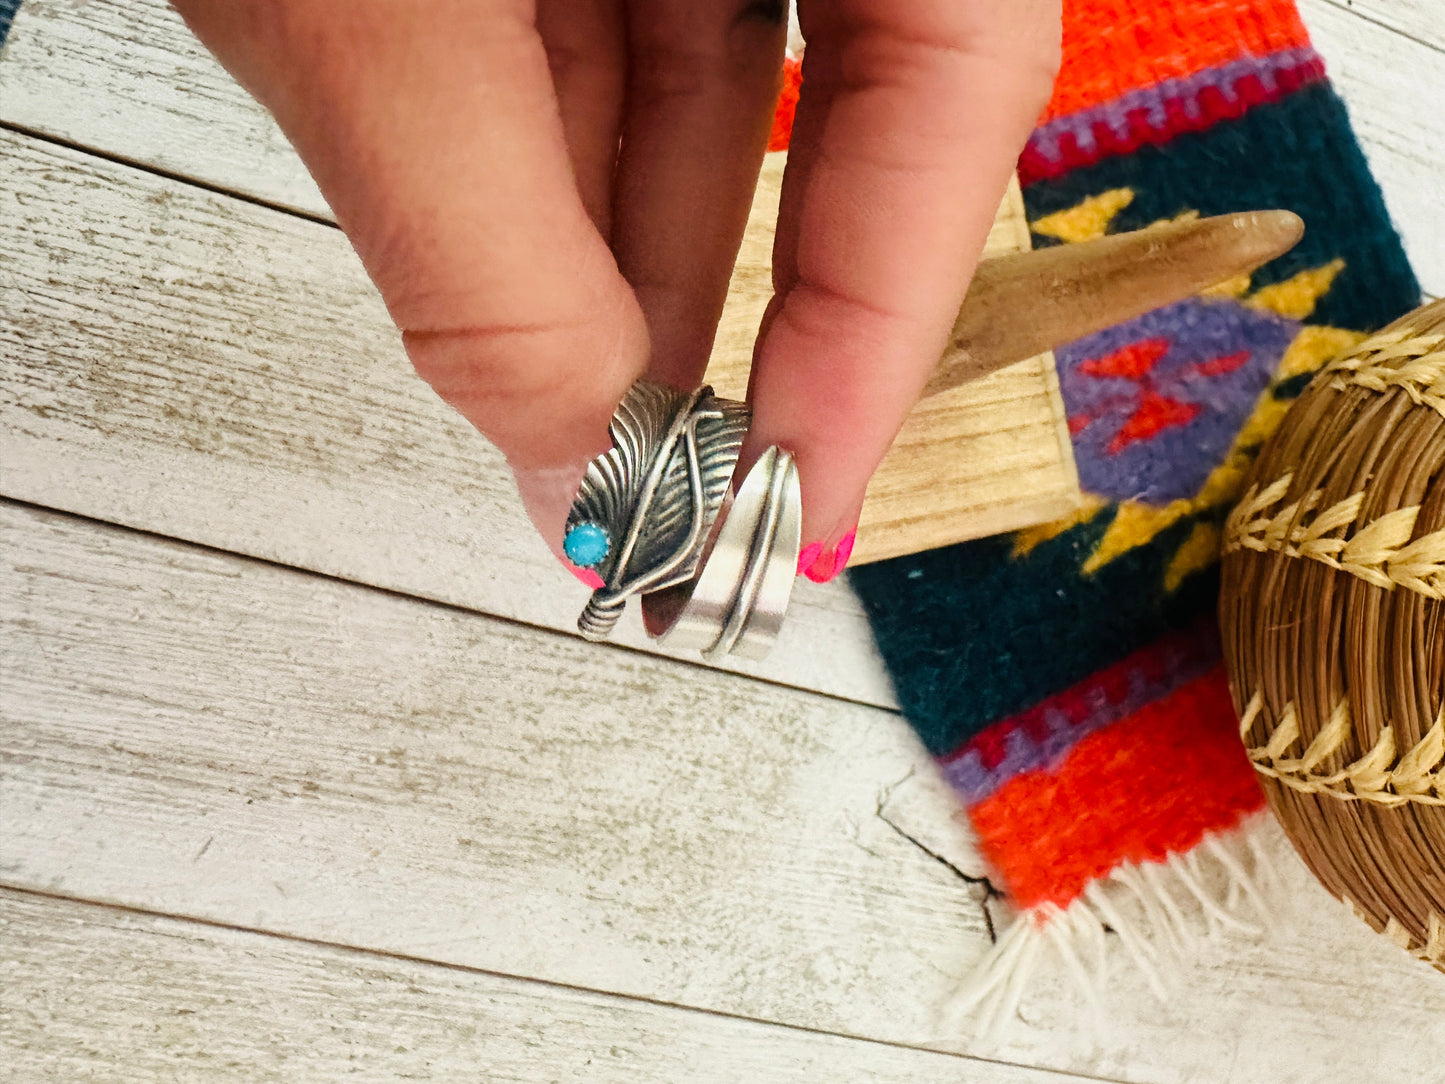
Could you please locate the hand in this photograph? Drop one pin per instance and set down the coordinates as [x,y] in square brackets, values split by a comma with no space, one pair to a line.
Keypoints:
[550,195]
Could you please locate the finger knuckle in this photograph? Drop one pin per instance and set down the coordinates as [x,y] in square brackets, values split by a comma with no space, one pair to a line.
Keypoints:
[494,363]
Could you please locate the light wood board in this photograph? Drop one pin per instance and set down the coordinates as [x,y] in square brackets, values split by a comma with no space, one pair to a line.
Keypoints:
[181,362]
[1393,85]
[256,745]
[206,736]
[1423,20]
[225,1004]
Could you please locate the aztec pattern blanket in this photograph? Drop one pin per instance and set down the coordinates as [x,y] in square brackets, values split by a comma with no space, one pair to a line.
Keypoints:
[1068,678]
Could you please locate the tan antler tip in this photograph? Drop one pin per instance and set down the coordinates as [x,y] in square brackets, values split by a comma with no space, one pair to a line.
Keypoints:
[1268,233]
[1024,304]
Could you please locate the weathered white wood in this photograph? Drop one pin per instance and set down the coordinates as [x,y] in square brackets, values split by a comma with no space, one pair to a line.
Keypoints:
[90,991]
[189,364]
[1393,86]
[126,78]
[1423,20]
[193,733]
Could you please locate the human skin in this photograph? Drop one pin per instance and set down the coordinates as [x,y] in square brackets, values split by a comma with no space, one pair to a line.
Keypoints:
[550,194]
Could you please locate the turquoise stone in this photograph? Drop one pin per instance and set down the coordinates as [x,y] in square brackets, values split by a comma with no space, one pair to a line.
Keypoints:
[586,545]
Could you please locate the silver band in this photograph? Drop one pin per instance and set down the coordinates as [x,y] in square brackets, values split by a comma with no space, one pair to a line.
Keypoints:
[644,515]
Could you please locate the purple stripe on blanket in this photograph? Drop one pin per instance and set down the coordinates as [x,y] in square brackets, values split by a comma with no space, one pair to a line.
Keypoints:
[1158,105]
[1039,739]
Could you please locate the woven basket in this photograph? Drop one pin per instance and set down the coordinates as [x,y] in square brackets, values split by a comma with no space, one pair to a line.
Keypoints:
[1334,628]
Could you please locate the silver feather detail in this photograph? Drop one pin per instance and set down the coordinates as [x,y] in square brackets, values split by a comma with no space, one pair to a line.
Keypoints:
[656,493]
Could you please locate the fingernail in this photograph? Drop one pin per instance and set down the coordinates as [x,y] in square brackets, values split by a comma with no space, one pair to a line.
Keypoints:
[547,495]
[826,566]
[809,557]
[821,570]
[587,576]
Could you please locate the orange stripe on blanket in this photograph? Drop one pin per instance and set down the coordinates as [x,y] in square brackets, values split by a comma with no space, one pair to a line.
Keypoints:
[1152,784]
[1115,46]
[787,104]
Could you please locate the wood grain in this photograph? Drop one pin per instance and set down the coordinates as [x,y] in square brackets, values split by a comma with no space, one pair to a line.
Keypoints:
[95,992]
[182,362]
[202,735]
[1393,85]
[126,78]
[255,745]
[977,459]
[1423,20]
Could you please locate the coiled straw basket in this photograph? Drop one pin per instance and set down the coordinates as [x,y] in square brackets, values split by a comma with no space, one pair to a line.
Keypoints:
[1333,615]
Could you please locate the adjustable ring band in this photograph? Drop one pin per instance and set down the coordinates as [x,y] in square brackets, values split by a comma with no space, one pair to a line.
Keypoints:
[644,519]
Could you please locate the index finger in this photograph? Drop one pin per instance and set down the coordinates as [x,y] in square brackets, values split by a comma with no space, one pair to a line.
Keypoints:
[910,120]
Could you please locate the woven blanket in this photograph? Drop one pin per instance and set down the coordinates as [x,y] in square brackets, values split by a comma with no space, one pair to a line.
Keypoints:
[1068,678]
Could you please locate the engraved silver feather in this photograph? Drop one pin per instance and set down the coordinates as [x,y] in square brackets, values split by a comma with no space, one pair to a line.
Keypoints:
[656,493]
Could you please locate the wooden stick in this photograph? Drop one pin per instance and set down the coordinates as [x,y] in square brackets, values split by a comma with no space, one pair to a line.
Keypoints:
[1025,304]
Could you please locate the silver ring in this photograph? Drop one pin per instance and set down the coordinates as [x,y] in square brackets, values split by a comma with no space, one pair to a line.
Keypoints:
[652,518]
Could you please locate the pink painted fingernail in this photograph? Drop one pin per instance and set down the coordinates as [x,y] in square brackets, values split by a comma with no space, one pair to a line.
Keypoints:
[826,566]
[809,557]
[587,576]
[821,570]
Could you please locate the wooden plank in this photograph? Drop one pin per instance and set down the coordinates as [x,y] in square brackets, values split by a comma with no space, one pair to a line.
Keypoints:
[129,79]
[89,991]
[1423,20]
[126,78]
[197,734]
[185,363]
[349,765]
[1393,85]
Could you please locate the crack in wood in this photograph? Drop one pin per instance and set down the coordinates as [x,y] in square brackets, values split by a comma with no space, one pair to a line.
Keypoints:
[989,891]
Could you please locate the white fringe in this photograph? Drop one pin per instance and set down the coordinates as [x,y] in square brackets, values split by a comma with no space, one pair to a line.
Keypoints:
[1162,913]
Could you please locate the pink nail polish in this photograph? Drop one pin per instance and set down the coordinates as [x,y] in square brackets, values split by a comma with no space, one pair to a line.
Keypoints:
[809,557]
[826,566]
[587,576]
[821,570]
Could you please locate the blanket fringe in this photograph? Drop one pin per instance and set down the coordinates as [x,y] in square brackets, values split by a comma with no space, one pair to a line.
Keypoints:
[1161,912]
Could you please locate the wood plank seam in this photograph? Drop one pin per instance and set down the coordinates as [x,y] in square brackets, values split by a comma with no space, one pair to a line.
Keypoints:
[1414,34]
[295,427]
[200,184]
[422,600]
[466,969]
[90,980]
[224,592]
